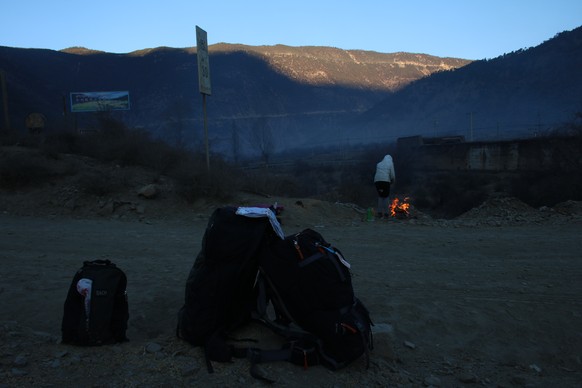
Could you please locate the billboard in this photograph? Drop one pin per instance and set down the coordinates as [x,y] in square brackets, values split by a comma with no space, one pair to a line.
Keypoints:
[99,101]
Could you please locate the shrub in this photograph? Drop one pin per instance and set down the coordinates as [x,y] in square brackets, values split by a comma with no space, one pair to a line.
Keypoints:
[98,183]
[21,168]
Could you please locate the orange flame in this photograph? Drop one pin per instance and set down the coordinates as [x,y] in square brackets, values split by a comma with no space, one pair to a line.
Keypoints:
[397,207]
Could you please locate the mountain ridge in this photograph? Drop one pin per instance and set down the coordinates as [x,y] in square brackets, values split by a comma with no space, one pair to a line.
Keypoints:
[319,61]
[323,65]
[525,93]
[305,96]
[287,89]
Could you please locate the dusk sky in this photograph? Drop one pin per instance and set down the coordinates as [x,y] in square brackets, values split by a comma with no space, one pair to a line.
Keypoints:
[454,28]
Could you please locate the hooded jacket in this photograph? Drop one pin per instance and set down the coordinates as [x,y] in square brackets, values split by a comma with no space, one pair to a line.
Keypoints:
[385,170]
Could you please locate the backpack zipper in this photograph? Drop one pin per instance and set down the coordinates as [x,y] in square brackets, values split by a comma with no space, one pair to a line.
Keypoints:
[298,249]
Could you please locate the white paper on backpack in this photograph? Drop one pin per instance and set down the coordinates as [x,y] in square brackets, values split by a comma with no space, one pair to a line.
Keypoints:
[84,286]
[256,212]
[342,260]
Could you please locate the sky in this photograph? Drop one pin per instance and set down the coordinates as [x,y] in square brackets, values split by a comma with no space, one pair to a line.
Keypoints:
[469,29]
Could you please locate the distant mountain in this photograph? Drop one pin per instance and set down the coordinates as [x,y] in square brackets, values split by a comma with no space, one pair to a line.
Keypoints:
[295,97]
[299,94]
[521,94]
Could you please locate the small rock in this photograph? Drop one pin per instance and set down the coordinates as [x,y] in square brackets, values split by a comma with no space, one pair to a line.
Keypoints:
[74,360]
[153,347]
[106,209]
[467,378]
[432,381]
[149,191]
[535,368]
[61,354]
[20,361]
[409,344]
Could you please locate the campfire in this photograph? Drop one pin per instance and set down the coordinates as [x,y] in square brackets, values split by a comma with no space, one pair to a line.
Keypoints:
[400,209]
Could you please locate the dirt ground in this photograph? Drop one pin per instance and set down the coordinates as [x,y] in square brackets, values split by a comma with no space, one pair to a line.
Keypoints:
[492,298]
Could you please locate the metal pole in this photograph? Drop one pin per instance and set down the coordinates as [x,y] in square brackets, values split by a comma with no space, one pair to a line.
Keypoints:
[471,126]
[206,132]
[5,100]
[65,120]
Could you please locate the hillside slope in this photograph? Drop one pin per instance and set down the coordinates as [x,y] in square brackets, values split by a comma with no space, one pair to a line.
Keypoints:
[284,98]
[289,90]
[521,94]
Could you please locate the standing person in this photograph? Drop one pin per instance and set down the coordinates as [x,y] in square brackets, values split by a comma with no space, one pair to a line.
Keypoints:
[384,177]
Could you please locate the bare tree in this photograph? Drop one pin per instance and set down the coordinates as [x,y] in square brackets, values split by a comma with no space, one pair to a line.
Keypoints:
[263,140]
[235,143]
[176,115]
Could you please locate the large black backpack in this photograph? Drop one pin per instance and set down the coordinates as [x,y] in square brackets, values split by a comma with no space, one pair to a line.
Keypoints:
[96,308]
[309,286]
[219,295]
[244,266]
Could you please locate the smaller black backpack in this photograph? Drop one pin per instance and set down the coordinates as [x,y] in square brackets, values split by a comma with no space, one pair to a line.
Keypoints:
[309,286]
[96,308]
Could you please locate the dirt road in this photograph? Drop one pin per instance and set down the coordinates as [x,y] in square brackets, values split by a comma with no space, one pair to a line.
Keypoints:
[454,303]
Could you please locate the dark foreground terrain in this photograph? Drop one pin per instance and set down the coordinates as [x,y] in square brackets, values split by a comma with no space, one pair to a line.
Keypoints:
[492,298]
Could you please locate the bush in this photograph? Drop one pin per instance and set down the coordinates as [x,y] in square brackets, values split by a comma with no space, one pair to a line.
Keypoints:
[98,183]
[21,168]
[193,180]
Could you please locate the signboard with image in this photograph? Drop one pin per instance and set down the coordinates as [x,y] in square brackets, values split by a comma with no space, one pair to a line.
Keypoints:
[99,101]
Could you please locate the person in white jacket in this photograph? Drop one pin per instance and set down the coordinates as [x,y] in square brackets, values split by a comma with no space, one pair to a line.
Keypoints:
[384,177]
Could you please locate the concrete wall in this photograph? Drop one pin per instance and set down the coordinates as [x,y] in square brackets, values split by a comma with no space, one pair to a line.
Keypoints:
[520,155]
